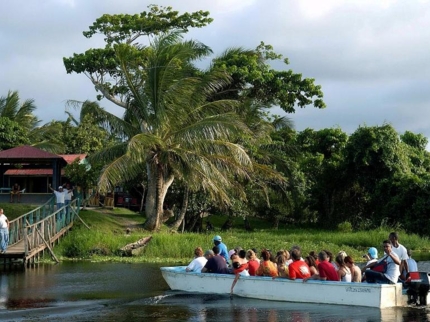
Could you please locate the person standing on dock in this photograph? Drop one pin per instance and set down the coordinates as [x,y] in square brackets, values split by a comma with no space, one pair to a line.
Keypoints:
[68,194]
[60,195]
[4,232]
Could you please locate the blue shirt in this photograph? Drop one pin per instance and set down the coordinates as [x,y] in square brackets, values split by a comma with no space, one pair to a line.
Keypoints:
[223,251]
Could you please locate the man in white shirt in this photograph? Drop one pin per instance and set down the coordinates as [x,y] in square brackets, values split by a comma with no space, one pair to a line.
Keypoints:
[400,250]
[392,273]
[60,195]
[4,232]
[199,261]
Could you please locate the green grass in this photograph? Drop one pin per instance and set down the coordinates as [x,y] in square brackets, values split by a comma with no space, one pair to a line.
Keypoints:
[14,210]
[108,235]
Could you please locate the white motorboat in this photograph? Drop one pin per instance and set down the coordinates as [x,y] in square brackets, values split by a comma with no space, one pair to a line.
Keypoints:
[280,289]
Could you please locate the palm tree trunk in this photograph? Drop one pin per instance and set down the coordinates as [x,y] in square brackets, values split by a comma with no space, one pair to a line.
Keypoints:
[158,185]
[184,206]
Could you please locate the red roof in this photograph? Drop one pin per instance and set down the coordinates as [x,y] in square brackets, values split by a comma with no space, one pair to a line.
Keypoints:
[69,158]
[30,172]
[27,152]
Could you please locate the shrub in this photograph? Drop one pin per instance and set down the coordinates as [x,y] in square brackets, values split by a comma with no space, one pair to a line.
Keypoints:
[345,227]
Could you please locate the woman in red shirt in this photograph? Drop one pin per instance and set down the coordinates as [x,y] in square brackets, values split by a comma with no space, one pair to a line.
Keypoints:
[253,262]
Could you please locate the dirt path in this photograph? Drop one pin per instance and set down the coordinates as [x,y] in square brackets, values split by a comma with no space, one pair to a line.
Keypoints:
[126,223]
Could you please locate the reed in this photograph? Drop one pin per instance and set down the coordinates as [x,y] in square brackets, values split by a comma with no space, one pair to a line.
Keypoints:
[108,235]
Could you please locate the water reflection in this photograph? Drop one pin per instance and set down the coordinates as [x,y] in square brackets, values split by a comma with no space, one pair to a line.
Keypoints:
[84,291]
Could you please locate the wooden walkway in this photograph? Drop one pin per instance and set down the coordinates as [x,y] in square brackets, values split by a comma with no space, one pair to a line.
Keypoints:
[36,232]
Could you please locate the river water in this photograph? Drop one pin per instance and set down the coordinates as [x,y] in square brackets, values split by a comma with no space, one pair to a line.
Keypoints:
[84,291]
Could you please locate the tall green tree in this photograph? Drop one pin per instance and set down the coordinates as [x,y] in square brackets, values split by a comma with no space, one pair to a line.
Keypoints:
[170,129]
[181,122]
[253,78]
[11,134]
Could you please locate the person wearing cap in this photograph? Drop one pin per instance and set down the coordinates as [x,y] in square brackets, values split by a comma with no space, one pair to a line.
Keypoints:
[60,195]
[372,257]
[222,248]
[392,273]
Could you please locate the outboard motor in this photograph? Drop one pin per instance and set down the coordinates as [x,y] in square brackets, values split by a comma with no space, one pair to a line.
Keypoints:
[418,285]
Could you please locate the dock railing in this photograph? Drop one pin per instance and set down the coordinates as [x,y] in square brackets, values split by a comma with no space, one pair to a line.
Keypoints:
[17,225]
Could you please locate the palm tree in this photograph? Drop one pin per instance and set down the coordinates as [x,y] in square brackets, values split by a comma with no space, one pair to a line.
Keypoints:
[22,113]
[44,137]
[169,129]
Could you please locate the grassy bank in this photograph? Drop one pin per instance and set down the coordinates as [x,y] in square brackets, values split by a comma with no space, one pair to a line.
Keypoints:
[108,234]
[14,210]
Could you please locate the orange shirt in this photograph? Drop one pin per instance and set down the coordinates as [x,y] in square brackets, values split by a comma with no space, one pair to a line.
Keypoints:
[267,268]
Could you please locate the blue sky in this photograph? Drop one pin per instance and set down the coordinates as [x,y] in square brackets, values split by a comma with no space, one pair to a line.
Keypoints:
[370,57]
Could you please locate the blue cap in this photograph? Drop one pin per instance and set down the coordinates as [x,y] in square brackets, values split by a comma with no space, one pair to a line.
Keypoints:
[373,252]
[217,238]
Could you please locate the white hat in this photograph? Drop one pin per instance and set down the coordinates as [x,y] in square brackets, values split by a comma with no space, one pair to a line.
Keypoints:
[60,187]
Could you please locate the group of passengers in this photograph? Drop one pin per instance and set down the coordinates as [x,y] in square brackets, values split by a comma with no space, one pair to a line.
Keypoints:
[293,265]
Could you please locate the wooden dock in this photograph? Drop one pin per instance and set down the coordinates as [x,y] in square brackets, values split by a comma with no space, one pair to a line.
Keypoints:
[36,232]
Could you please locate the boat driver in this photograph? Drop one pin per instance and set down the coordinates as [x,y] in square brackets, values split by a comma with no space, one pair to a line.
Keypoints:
[222,247]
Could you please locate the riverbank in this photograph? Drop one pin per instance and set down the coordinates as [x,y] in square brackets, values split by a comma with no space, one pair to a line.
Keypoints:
[112,229]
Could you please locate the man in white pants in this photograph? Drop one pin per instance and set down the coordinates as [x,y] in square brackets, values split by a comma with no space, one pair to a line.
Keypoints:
[4,232]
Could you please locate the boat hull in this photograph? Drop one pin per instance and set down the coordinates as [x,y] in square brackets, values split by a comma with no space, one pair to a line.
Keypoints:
[265,288]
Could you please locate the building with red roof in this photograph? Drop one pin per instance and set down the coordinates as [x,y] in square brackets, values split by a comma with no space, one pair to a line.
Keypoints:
[33,169]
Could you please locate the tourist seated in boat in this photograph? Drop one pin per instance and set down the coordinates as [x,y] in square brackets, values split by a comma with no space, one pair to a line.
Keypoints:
[392,273]
[313,266]
[371,257]
[198,262]
[236,262]
[217,240]
[253,262]
[231,252]
[216,264]
[281,264]
[412,265]
[237,249]
[355,270]
[294,247]
[242,256]
[343,272]
[315,256]
[298,268]
[283,252]
[325,268]
[330,258]
[267,267]
[239,269]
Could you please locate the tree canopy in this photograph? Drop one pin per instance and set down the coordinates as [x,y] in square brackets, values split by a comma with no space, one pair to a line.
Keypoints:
[179,121]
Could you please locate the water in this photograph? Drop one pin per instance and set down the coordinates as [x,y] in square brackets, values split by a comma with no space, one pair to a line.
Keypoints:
[82,291]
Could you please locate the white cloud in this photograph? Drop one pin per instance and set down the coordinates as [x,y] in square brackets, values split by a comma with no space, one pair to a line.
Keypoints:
[369,56]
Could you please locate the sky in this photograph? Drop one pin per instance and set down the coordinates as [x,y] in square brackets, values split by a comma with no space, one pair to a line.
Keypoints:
[370,56]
